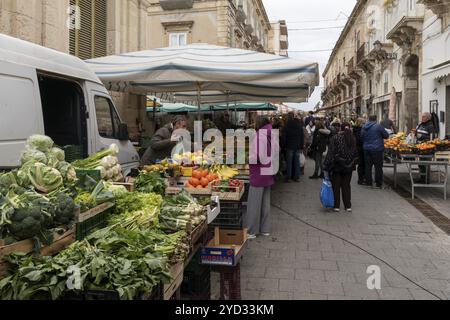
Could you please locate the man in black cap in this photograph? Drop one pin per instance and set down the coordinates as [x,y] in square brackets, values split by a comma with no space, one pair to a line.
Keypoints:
[162,144]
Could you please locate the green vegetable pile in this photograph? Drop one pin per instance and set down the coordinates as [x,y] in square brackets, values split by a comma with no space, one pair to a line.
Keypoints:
[181,212]
[150,182]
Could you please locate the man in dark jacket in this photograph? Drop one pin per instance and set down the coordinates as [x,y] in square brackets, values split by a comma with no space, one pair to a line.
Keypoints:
[373,135]
[162,142]
[293,142]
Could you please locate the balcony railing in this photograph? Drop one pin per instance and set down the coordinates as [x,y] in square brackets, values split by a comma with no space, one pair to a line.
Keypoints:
[401,10]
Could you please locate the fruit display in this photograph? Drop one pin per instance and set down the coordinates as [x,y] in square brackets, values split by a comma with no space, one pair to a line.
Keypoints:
[224,172]
[165,167]
[201,178]
[398,145]
[231,185]
[192,159]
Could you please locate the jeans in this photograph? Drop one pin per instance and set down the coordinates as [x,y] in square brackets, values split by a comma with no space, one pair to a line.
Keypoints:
[318,157]
[374,159]
[293,164]
[341,183]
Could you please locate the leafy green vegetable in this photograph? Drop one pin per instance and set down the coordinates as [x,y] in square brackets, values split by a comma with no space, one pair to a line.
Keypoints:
[40,142]
[33,155]
[44,178]
[57,153]
[150,182]
[95,160]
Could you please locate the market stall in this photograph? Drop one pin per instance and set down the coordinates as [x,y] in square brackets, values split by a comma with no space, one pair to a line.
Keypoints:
[126,239]
[429,160]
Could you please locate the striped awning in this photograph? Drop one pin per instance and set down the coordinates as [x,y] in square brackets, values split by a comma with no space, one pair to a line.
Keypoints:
[249,75]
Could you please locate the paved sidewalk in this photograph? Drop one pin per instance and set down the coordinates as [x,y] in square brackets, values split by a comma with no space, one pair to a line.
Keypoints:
[300,262]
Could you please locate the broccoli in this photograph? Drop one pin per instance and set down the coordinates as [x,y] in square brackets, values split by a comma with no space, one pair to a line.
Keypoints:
[26,223]
[64,211]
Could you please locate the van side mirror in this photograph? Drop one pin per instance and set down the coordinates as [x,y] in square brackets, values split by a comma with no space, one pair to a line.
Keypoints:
[123,134]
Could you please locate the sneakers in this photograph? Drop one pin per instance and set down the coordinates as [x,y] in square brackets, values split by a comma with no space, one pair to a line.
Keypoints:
[251,236]
[378,187]
[348,210]
[265,234]
[336,210]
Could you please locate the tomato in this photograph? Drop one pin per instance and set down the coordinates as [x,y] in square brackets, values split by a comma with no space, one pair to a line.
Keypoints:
[194,182]
[204,182]
[205,173]
[197,174]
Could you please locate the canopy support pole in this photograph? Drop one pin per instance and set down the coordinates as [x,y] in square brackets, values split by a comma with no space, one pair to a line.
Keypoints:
[199,101]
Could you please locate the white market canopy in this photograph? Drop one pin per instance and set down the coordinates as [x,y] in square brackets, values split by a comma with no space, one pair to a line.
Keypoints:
[247,75]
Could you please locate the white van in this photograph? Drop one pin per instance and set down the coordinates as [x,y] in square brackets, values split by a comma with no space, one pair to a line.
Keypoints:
[43,91]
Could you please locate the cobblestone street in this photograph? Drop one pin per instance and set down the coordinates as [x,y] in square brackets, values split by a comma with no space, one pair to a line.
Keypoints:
[301,262]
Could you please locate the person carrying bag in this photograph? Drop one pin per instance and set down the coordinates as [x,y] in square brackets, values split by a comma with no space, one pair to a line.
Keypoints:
[339,164]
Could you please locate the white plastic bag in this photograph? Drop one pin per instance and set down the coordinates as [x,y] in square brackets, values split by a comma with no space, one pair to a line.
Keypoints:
[302,160]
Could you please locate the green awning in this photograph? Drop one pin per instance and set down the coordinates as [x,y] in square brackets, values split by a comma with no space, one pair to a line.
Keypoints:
[181,107]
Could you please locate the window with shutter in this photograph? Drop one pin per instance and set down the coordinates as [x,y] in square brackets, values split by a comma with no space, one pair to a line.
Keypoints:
[89,41]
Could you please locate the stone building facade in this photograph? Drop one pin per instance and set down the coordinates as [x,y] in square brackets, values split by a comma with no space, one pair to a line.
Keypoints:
[376,65]
[279,39]
[231,23]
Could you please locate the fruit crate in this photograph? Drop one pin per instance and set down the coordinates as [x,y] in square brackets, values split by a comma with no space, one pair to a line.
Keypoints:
[93,219]
[231,193]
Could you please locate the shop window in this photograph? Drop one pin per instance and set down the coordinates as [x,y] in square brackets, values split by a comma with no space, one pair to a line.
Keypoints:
[90,39]
[108,121]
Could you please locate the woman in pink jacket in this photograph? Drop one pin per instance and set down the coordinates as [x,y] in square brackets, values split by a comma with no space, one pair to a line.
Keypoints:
[263,168]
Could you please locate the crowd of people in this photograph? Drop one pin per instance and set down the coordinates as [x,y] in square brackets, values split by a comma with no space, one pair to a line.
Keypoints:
[338,148]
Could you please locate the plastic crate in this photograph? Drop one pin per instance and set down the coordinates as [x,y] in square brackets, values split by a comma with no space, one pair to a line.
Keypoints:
[197,281]
[99,221]
[230,216]
[73,152]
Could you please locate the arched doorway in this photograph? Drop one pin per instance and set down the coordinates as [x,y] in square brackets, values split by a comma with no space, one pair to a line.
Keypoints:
[411,76]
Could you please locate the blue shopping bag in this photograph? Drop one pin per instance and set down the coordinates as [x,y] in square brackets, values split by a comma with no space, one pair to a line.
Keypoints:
[326,194]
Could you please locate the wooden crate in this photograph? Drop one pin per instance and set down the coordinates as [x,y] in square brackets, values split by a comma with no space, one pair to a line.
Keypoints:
[129,186]
[197,233]
[235,194]
[81,217]
[177,275]
[60,242]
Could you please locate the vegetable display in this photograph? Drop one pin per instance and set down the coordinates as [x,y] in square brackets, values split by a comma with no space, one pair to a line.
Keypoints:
[150,182]
[181,212]
[106,162]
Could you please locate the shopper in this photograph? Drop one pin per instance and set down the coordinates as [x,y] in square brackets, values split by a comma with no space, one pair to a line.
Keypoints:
[340,164]
[309,118]
[373,135]
[360,148]
[162,143]
[293,141]
[318,147]
[258,208]
[335,127]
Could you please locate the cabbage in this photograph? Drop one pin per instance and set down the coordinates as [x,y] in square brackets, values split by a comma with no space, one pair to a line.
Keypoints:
[33,155]
[57,153]
[44,178]
[40,142]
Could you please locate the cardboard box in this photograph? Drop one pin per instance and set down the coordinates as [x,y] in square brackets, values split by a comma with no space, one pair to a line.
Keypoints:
[226,249]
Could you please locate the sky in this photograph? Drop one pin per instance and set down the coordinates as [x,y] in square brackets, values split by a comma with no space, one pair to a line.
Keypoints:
[304,14]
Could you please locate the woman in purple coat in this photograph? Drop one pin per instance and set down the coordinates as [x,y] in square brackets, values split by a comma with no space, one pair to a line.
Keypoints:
[262,177]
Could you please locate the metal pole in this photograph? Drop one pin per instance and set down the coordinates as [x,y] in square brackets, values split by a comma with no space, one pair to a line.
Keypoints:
[199,101]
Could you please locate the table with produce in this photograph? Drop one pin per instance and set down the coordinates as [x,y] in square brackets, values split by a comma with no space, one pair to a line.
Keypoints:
[401,150]
[59,219]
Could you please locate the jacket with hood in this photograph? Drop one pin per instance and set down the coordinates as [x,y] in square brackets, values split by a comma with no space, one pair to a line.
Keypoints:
[373,135]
